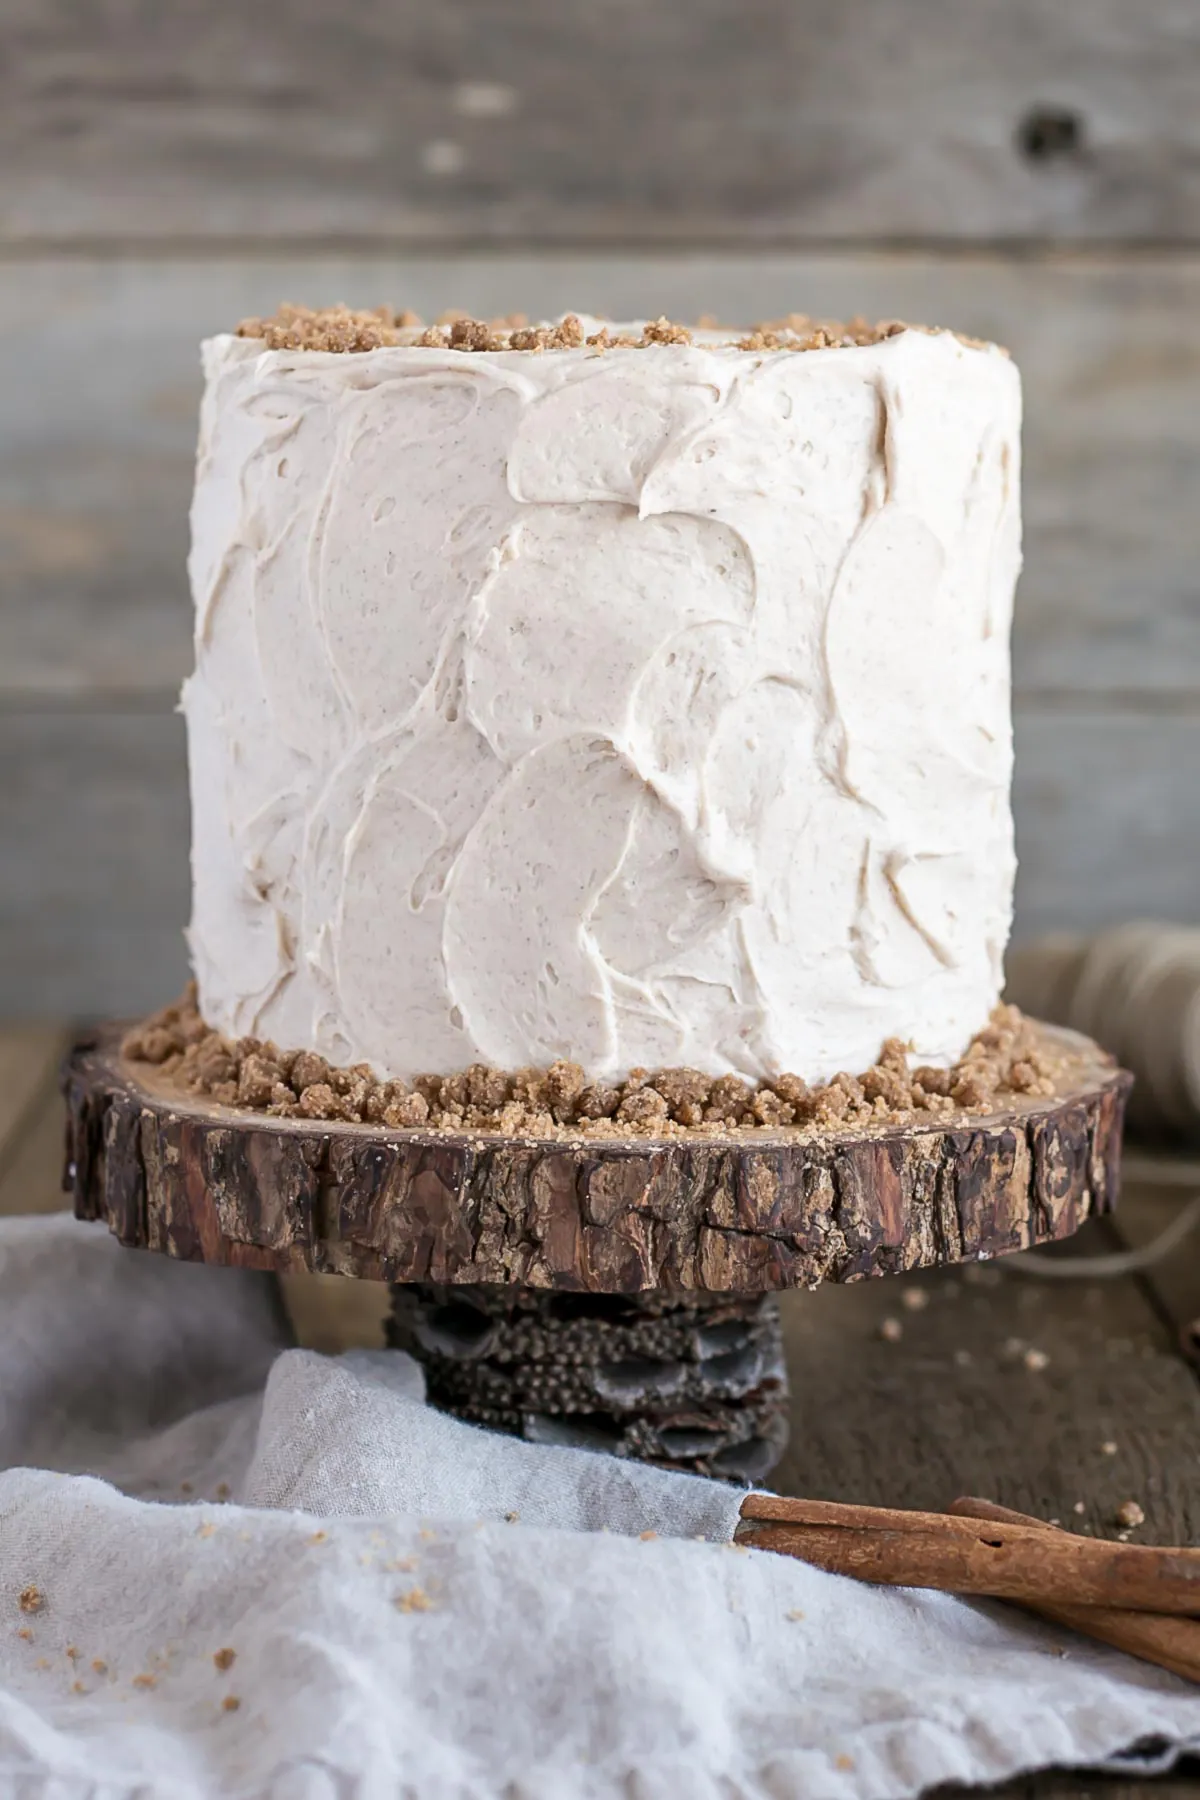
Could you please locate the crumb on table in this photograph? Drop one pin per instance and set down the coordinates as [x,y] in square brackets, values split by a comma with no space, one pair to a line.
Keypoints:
[413,1599]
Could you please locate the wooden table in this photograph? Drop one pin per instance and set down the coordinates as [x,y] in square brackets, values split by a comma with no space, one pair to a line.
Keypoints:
[949,1406]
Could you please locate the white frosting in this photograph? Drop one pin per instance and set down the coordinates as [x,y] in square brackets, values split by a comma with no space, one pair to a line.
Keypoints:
[641,707]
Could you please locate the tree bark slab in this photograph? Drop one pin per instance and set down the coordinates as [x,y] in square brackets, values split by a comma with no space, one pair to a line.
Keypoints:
[601,1291]
[678,1216]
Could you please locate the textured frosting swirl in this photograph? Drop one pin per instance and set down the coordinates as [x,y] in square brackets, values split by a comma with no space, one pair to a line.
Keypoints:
[638,707]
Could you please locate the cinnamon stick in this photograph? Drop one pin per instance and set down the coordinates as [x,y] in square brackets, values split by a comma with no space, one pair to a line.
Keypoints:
[963,1555]
[1172,1643]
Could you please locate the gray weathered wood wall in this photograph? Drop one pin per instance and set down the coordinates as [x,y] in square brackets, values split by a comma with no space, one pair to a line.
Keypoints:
[1024,169]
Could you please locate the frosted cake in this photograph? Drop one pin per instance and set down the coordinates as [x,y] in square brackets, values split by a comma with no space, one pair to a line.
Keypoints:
[626,698]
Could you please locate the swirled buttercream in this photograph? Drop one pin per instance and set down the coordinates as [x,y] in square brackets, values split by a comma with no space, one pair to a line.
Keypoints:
[640,707]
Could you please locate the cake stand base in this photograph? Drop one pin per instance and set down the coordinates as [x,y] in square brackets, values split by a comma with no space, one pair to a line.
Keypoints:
[696,1382]
[608,1290]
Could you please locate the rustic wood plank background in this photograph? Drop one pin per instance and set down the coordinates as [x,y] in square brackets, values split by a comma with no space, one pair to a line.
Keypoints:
[723,121]
[1025,169]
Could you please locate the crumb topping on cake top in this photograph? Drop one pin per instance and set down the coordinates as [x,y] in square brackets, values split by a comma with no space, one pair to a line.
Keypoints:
[344,330]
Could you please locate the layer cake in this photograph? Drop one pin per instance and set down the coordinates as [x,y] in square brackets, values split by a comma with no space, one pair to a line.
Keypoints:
[627,695]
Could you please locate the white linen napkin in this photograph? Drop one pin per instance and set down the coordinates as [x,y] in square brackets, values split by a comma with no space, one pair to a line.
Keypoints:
[247,1571]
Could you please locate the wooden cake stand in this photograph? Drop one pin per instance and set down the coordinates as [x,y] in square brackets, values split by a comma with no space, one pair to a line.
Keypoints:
[615,1292]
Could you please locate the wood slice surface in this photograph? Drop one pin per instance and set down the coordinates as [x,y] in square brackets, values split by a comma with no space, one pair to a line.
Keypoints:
[745,1213]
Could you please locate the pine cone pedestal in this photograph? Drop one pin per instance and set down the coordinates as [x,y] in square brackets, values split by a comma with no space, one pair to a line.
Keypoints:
[694,1382]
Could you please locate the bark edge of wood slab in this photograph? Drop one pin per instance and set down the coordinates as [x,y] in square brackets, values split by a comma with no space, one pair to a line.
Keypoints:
[681,1216]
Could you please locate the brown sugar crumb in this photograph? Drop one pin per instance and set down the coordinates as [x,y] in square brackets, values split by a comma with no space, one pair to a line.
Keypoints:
[799,332]
[343,330]
[473,334]
[604,339]
[1009,1063]
[662,331]
[566,335]
[413,1599]
[325,328]
[31,1600]
[230,1703]
[99,1666]
[23,1631]
[224,1659]
[145,1681]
